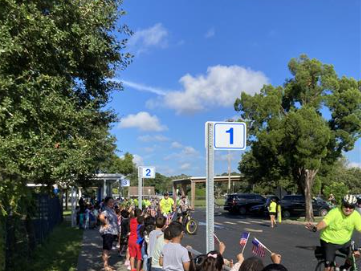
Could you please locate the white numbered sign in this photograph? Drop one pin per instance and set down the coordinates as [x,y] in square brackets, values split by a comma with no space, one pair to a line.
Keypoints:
[125,183]
[148,172]
[229,136]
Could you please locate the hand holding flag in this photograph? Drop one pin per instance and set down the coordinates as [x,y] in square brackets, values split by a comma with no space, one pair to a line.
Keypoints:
[244,239]
[259,248]
[216,238]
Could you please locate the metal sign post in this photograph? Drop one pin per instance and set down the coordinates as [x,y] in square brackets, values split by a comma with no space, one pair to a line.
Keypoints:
[209,186]
[219,136]
[140,187]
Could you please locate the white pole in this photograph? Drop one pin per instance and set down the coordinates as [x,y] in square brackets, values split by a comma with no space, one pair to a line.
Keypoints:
[104,188]
[209,186]
[229,171]
[140,187]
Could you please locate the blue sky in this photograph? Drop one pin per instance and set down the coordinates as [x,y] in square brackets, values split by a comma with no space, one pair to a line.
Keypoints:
[192,59]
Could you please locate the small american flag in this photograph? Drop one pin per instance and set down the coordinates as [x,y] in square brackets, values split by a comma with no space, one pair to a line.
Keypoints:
[244,239]
[258,248]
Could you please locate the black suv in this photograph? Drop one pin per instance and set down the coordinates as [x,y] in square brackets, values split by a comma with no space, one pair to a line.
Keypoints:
[241,203]
[296,205]
[262,209]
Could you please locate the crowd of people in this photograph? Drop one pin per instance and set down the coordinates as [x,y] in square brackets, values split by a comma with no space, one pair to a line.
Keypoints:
[150,238]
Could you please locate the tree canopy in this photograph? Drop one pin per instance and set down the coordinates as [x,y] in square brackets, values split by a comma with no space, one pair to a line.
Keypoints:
[291,135]
[56,61]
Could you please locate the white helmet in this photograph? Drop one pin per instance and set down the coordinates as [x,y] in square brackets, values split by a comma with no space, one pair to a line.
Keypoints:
[350,200]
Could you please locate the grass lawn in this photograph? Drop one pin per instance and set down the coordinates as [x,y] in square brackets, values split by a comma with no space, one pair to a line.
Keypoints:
[66,212]
[202,203]
[60,252]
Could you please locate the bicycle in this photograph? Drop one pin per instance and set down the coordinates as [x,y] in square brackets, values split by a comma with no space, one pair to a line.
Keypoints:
[355,263]
[190,225]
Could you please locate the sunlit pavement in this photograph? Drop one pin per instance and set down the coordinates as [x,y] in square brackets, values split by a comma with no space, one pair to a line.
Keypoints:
[293,242]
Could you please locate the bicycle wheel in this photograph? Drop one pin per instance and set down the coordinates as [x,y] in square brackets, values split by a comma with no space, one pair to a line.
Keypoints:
[320,265]
[191,226]
[357,265]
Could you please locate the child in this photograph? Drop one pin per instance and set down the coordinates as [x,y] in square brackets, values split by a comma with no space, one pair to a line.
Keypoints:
[134,248]
[161,241]
[174,256]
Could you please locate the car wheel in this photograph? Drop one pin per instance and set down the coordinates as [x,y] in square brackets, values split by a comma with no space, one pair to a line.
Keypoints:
[323,212]
[286,214]
[242,210]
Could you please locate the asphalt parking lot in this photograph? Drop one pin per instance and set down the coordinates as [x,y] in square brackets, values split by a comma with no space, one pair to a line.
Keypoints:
[293,242]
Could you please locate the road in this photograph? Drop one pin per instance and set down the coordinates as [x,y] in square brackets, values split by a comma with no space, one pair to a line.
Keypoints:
[293,242]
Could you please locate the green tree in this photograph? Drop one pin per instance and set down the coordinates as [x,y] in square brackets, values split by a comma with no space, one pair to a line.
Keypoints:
[56,61]
[116,164]
[290,139]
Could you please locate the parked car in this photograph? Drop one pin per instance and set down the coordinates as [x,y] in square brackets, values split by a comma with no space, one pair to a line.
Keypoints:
[295,205]
[262,209]
[241,203]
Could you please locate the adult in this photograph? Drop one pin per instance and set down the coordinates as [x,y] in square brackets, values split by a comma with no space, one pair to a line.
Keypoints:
[184,206]
[272,209]
[337,229]
[166,205]
[108,230]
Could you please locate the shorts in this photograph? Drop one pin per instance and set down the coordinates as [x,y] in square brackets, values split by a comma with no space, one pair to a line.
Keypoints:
[108,240]
[272,213]
[330,249]
[123,240]
[134,250]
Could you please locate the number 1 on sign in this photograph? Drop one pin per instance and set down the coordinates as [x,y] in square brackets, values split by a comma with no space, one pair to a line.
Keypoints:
[230,131]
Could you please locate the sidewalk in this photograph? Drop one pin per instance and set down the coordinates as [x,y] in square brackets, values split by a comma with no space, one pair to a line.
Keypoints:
[91,252]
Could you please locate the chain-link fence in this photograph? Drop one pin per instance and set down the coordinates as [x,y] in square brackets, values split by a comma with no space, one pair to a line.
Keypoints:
[24,231]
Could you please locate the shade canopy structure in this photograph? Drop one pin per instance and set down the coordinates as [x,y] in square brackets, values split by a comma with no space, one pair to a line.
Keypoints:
[192,181]
[105,180]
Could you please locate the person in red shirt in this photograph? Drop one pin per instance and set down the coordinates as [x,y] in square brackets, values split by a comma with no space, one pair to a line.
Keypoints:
[134,248]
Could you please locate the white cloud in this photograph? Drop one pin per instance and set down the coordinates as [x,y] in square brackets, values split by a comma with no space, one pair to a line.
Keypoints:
[142,87]
[149,138]
[189,151]
[218,88]
[234,118]
[186,153]
[143,121]
[354,164]
[185,166]
[155,36]
[138,160]
[210,33]
[176,145]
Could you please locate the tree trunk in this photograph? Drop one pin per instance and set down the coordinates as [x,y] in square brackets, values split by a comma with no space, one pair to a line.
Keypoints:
[308,177]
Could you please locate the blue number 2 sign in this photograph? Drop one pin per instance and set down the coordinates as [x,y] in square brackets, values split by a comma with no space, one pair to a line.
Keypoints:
[148,172]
